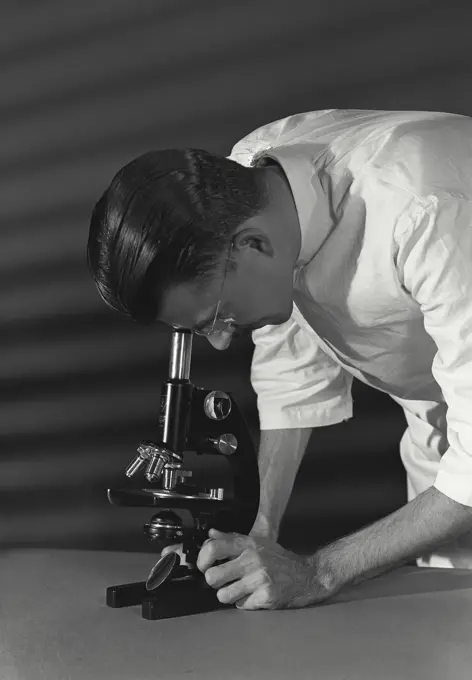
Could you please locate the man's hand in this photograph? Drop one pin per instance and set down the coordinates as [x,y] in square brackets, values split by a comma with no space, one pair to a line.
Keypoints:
[259,573]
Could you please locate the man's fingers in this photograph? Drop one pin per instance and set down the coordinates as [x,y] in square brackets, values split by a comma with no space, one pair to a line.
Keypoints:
[237,591]
[255,600]
[215,533]
[219,575]
[232,545]
[176,547]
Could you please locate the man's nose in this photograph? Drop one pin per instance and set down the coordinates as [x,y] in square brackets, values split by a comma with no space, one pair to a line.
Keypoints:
[220,340]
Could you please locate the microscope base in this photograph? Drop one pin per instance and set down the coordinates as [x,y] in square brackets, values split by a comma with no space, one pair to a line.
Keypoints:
[171,600]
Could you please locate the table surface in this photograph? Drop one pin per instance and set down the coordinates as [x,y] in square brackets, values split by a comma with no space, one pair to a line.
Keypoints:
[411,624]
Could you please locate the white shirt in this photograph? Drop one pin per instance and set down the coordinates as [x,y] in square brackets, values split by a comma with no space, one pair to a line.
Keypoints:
[383,286]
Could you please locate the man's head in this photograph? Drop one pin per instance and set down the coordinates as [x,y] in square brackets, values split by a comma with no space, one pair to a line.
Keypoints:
[192,239]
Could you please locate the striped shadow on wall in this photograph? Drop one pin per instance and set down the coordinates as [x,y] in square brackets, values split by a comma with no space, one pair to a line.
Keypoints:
[87,86]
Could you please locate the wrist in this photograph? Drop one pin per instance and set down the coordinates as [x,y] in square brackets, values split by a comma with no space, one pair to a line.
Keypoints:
[264,528]
[328,569]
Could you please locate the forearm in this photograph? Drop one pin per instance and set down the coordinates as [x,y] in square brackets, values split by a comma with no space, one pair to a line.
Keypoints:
[280,455]
[422,524]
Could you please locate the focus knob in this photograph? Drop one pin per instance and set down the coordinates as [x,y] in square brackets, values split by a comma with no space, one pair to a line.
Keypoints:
[225,444]
[217,405]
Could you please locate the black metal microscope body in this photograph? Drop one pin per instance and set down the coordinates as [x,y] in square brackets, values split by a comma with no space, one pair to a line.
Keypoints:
[204,421]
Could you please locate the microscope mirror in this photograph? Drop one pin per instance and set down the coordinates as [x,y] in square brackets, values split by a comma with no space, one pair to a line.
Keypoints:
[161,570]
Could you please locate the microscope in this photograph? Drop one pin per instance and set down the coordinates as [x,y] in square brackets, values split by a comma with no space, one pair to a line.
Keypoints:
[192,421]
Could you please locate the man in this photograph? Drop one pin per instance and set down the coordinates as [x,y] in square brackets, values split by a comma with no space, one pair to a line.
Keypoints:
[343,239]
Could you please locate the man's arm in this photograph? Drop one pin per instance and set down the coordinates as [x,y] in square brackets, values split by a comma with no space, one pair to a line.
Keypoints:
[263,575]
[280,455]
[434,268]
[298,387]
[427,521]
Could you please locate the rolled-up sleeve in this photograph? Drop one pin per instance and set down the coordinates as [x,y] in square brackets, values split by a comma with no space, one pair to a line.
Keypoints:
[296,383]
[436,266]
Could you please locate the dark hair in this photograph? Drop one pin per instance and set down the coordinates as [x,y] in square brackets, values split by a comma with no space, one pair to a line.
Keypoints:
[166,218]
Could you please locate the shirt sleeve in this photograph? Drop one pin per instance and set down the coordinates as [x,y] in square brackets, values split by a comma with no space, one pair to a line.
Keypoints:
[296,383]
[435,261]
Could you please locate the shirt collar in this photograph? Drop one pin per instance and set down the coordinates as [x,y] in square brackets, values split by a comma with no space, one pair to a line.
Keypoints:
[302,166]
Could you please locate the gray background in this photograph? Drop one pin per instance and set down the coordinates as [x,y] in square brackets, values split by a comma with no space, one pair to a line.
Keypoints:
[86,86]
